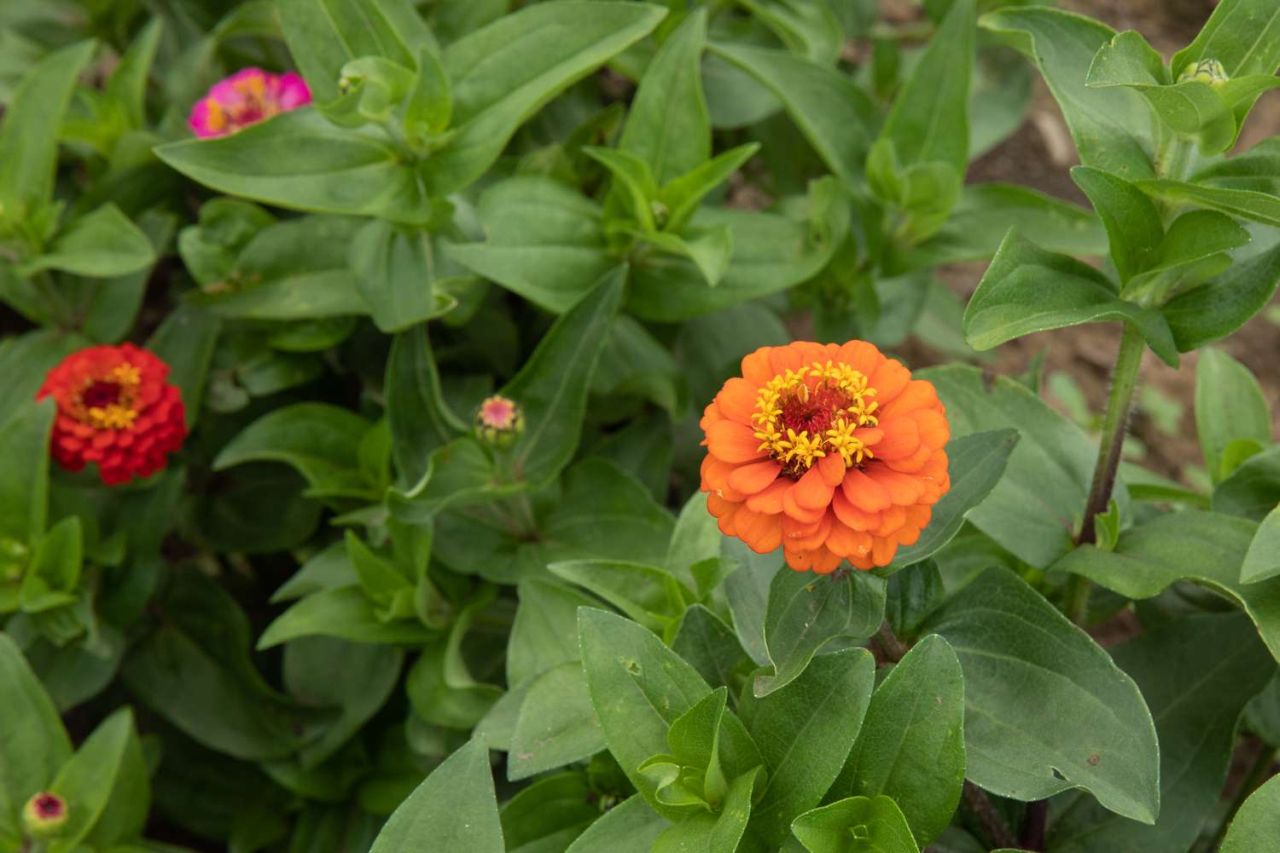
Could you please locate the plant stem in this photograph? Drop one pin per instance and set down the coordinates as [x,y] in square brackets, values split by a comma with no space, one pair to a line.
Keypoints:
[993,824]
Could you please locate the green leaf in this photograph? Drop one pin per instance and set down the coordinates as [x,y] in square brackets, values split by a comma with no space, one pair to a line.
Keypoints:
[346,613]
[985,213]
[553,384]
[1257,823]
[1253,489]
[1229,407]
[299,160]
[855,824]
[639,687]
[1075,721]
[556,725]
[394,269]
[1027,289]
[929,121]
[1244,204]
[834,115]
[912,595]
[1218,307]
[1262,560]
[545,242]
[417,413]
[709,645]
[1197,237]
[976,463]
[1130,217]
[805,611]
[911,745]
[549,814]
[647,594]
[714,833]
[1256,169]
[455,808]
[1206,548]
[546,47]
[1196,673]
[804,731]
[1111,127]
[630,827]
[319,441]
[29,139]
[440,685]
[37,744]
[54,570]
[86,780]
[100,244]
[667,123]
[682,194]
[1244,35]
[24,480]
[185,341]
[544,634]
[633,185]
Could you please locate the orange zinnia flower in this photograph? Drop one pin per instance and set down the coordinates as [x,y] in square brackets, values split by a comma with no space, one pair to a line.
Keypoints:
[116,410]
[831,452]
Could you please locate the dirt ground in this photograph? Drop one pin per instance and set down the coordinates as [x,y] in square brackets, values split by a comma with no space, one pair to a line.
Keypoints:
[1039,155]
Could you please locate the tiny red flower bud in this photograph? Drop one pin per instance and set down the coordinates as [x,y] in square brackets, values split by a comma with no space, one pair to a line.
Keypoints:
[117,410]
[44,815]
[499,421]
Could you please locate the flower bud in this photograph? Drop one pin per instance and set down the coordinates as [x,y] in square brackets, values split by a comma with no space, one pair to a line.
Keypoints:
[1205,71]
[44,815]
[499,421]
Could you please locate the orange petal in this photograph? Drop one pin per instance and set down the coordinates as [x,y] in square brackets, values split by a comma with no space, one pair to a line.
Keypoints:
[914,463]
[891,521]
[851,516]
[863,492]
[812,491]
[794,510]
[901,438]
[889,380]
[870,436]
[934,429]
[798,561]
[806,537]
[769,500]
[762,533]
[903,489]
[755,366]
[918,394]
[733,442]
[737,400]
[832,469]
[862,357]
[825,562]
[842,540]
[882,551]
[715,478]
[754,478]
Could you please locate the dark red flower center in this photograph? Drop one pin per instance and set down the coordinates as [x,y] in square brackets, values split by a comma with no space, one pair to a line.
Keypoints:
[101,394]
[815,412]
[48,805]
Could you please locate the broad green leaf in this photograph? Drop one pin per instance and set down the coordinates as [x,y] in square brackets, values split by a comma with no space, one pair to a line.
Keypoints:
[911,744]
[1197,674]
[647,594]
[1027,289]
[750,576]
[630,827]
[1197,237]
[1256,169]
[1132,221]
[912,595]
[639,687]
[553,384]
[976,462]
[545,48]
[804,731]
[26,359]
[549,813]
[714,833]
[33,745]
[709,645]
[557,724]
[24,481]
[667,123]
[1244,204]
[324,35]
[985,213]
[29,139]
[455,808]
[354,679]
[1073,721]
[1206,548]
[1262,560]
[54,571]
[1257,823]
[1244,35]
[318,440]
[929,121]
[124,816]
[441,688]
[834,115]
[185,341]
[1218,307]
[113,305]
[1111,127]
[874,825]
[299,160]
[1037,504]
[545,242]
[394,269]
[1229,407]
[805,611]
[544,634]
[101,244]
[419,417]
[86,780]
[346,613]
[682,194]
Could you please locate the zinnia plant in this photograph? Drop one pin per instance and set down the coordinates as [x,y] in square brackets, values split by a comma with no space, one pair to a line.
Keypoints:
[610,426]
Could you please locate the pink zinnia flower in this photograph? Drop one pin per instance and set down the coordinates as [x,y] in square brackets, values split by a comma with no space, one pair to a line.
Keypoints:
[247,97]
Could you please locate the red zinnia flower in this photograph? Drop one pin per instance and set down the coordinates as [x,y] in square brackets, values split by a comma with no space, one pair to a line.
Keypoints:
[115,409]
[831,452]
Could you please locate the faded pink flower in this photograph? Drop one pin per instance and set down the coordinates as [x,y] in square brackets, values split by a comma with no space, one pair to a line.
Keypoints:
[247,97]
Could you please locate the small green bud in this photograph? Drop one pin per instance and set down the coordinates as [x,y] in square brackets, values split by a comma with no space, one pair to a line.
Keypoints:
[1206,71]
[44,815]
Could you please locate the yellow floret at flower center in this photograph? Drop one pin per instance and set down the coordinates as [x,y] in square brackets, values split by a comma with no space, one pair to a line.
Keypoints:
[110,401]
[803,415]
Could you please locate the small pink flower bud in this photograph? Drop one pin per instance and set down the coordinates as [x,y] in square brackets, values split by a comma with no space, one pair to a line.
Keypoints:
[499,421]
